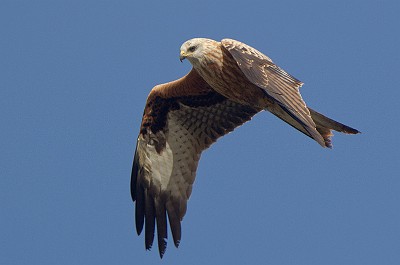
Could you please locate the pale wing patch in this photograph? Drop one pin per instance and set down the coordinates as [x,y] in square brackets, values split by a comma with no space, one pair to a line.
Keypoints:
[157,167]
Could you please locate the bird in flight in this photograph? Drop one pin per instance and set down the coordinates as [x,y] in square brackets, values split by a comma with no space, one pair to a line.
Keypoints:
[229,83]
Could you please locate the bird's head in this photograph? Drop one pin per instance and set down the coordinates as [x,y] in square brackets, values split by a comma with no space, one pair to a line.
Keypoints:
[195,50]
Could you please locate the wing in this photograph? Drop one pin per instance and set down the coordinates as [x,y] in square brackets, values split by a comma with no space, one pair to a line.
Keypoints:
[279,85]
[181,119]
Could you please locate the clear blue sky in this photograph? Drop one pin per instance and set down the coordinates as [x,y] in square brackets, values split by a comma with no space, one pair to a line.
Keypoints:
[74,77]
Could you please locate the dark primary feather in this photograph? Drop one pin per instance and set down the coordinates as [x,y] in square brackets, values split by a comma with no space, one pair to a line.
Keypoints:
[137,194]
[174,222]
[135,171]
[162,227]
[150,219]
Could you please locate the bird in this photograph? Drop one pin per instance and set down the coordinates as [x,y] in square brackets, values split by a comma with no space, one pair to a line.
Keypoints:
[228,84]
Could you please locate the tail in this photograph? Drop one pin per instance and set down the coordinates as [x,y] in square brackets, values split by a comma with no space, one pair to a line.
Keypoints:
[323,125]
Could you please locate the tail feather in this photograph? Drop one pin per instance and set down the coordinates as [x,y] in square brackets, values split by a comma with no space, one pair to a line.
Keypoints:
[326,122]
[324,125]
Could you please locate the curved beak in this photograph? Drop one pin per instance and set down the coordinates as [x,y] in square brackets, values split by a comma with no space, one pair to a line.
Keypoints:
[182,56]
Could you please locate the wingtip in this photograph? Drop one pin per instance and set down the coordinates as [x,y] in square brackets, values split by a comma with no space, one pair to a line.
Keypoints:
[353,131]
[138,229]
[139,213]
[148,247]
[162,247]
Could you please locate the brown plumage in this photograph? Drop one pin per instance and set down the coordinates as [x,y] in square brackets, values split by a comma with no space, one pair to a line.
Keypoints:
[230,82]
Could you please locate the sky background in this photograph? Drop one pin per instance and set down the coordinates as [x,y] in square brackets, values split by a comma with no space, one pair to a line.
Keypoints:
[74,77]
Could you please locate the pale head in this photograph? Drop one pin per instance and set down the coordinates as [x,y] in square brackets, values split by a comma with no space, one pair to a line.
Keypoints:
[196,49]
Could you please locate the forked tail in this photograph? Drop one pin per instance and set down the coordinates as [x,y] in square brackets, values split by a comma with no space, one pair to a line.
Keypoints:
[325,126]
[322,131]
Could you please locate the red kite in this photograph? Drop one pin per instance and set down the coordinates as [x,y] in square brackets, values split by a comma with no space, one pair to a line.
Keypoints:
[230,82]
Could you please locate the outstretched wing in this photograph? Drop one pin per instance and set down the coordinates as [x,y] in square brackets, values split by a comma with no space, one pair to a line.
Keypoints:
[181,119]
[279,85]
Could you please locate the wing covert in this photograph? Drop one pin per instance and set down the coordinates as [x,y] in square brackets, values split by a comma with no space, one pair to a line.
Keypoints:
[278,84]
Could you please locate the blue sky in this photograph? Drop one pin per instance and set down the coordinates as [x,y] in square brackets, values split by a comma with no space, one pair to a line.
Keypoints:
[74,79]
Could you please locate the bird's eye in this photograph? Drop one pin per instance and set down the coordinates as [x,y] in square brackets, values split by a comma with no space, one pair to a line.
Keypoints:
[192,48]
